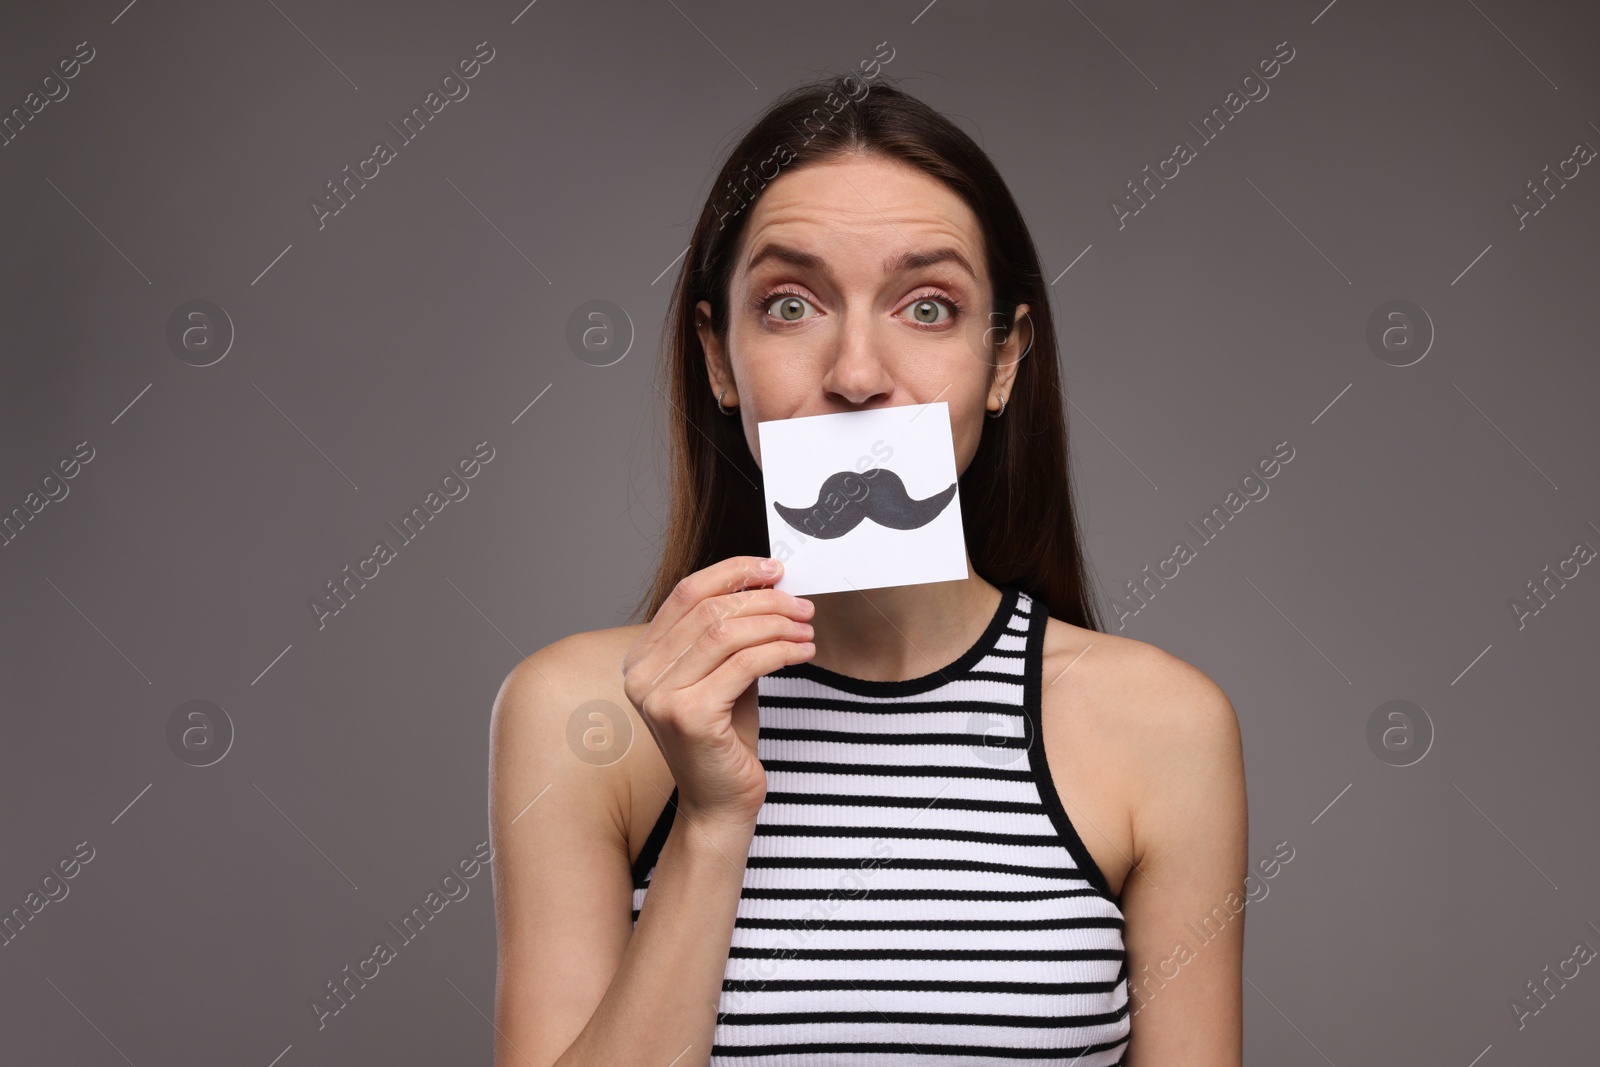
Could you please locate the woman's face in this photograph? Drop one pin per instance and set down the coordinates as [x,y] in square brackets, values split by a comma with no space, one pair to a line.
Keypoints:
[861,283]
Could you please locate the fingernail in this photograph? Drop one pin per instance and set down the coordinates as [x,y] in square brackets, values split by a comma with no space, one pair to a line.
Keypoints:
[769,567]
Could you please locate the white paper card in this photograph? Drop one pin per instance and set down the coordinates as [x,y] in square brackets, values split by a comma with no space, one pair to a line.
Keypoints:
[863,499]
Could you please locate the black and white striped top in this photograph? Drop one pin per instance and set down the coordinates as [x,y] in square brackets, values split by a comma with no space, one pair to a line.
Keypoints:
[915,892]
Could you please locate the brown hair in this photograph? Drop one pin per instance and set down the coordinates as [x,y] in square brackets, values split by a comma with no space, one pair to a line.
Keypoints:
[1017,507]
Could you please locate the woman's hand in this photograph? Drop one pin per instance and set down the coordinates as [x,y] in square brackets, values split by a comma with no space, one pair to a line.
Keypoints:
[720,630]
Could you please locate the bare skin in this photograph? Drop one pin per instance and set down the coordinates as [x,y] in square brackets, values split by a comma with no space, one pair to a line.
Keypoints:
[1144,749]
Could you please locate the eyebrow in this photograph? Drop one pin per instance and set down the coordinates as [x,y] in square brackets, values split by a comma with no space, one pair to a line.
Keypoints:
[893,265]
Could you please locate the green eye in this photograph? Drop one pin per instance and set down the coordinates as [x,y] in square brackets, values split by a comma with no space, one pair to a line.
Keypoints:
[927,311]
[790,308]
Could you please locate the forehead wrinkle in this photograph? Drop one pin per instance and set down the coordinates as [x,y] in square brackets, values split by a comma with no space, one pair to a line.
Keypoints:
[896,263]
[912,259]
[790,215]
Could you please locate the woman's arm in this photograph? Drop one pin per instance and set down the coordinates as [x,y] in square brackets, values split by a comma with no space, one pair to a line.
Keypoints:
[576,984]
[1185,900]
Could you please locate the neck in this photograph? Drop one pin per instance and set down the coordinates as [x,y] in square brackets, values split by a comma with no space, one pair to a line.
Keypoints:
[901,632]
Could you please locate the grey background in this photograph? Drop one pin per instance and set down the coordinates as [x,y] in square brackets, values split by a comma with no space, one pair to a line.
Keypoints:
[370,355]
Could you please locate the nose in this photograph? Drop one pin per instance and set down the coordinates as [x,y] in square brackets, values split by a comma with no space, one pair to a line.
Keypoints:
[857,374]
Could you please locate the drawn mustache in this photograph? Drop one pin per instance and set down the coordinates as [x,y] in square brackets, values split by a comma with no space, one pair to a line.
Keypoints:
[847,497]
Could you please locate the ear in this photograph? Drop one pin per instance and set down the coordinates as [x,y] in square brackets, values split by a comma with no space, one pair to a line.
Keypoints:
[1010,353]
[716,358]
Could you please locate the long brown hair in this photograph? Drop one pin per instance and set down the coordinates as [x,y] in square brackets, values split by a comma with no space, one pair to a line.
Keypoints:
[1017,507]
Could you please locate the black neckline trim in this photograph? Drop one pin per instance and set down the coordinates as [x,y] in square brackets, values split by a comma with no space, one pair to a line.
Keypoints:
[875,688]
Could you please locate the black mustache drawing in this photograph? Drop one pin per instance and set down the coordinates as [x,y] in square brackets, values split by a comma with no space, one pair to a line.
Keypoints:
[847,497]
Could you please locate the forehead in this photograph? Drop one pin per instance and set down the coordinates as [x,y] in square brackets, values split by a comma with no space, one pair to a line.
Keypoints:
[860,211]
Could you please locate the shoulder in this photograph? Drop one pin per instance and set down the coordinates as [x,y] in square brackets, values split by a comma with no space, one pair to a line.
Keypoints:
[1169,730]
[561,716]
[1132,685]
[583,666]
[580,660]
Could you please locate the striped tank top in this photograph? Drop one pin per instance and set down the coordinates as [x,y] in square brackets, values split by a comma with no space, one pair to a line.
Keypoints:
[915,893]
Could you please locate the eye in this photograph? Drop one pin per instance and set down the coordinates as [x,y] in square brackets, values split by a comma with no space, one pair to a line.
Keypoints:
[790,307]
[926,311]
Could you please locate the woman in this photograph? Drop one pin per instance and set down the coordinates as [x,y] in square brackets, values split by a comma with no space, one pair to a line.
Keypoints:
[974,828]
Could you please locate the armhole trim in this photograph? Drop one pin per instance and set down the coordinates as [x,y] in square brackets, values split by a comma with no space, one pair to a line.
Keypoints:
[1038,762]
[652,844]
